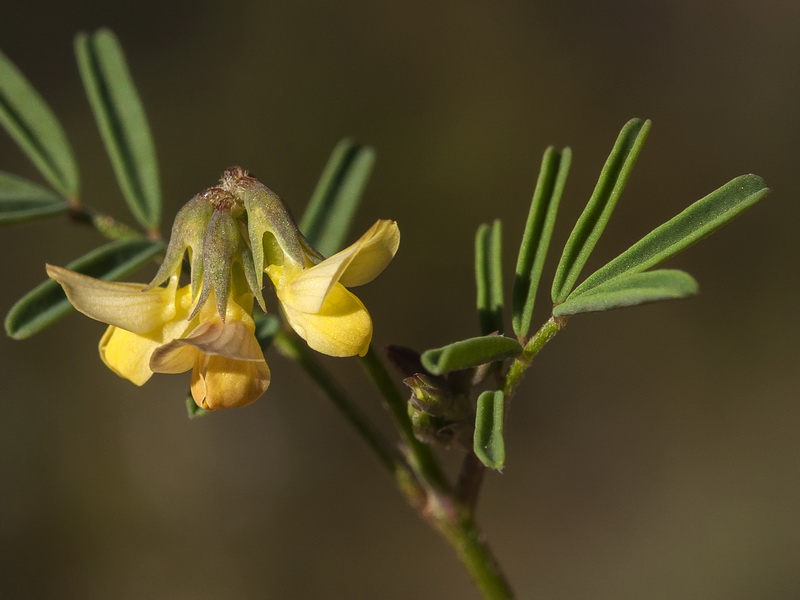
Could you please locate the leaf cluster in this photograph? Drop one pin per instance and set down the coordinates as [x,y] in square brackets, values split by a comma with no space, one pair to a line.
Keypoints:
[627,280]
[123,127]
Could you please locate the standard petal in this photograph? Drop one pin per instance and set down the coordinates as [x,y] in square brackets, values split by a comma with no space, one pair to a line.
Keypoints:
[222,382]
[127,354]
[342,327]
[123,305]
[377,248]
[357,264]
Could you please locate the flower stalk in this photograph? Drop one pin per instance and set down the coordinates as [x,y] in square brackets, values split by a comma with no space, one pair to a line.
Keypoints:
[421,479]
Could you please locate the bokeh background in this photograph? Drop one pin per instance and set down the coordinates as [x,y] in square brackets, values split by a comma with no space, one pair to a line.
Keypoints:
[653,452]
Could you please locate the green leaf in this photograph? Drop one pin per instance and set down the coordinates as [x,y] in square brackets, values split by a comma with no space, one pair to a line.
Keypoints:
[192,410]
[46,303]
[22,200]
[595,216]
[630,290]
[701,219]
[489,276]
[31,123]
[330,212]
[122,122]
[469,353]
[536,239]
[488,441]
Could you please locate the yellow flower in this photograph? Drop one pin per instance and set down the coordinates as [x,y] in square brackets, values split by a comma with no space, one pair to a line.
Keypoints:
[316,302]
[231,235]
[149,332]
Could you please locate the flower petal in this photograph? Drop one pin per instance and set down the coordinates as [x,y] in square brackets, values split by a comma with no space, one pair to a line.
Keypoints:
[173,357]
[123,305]
[342,326]
[357,264]
[127,354]
[377,248]
[222,382]
[232,340]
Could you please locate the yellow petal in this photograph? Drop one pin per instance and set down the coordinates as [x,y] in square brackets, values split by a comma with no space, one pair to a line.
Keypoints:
[173,357]
[233,339]
[376,249]
[357,264]
[222,382]
[127,354]
[123,305]
[342,326]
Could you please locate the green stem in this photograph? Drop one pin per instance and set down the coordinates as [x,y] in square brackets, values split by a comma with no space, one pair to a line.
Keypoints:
[106,225]
[470,479]
[466,539]
[423,460]
[290,346]
[424,483]
[546,333]
[443,508]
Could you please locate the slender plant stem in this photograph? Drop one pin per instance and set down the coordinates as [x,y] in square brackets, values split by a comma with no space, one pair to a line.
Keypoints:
[466,539]
[444,509]
[424,483]
[546,333]
[290,346]
[107,225]
[470,479]
[421,455]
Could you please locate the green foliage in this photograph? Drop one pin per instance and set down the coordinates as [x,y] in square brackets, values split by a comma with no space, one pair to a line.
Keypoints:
[701,219]
[31,123]
[629,290]
[469,353]
[47,303]
[122,123]
[595,216]
[22,200]
[488,443]
[536,239]
[489,276]
[333,205]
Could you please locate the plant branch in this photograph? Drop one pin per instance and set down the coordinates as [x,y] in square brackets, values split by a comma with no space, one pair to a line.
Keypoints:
[106,225]
[420,455]
[546,333]
[423,483]
[447,511]
[290,346]
[470,479]
[467,540]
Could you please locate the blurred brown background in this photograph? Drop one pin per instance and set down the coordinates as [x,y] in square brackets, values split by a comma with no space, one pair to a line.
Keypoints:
[653,452]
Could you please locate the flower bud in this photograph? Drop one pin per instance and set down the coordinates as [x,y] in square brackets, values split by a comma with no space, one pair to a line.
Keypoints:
[430,394]
[438,431]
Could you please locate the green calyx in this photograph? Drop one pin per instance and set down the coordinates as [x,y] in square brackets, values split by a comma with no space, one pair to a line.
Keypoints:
[269,222]
[233,231]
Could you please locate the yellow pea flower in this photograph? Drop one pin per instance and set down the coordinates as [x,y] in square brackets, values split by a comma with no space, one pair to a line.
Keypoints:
[315,299]
[231,235]
[149,333]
